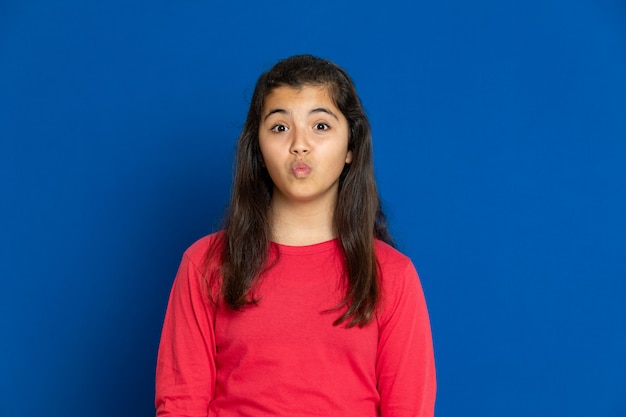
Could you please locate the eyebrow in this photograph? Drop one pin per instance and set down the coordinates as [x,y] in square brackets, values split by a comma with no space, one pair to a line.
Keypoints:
[315,110]
[323,110]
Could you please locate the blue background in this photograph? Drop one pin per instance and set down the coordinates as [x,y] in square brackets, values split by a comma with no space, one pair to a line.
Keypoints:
[500,150]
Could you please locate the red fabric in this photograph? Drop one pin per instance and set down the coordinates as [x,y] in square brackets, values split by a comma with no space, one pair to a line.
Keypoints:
[283,356]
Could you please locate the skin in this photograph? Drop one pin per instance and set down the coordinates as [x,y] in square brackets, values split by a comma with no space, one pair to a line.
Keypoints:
[303,138]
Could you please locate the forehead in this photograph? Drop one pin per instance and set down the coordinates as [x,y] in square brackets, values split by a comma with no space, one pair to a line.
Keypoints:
[287,96]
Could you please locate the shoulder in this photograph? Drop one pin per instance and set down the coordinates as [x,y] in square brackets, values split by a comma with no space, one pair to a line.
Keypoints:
[206,246]
[398,277]
[389,257]
[196,266]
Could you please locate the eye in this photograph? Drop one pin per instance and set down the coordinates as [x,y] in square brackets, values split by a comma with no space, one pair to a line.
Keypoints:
[321,126]
[279,128]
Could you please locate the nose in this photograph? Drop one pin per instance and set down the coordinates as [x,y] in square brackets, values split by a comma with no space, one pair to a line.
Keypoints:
[299,142]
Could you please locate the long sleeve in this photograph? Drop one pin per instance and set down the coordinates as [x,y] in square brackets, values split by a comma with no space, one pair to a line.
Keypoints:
[185,375]
[405,366]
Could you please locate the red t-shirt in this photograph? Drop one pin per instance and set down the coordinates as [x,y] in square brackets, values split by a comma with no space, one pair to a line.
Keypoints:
[283,356]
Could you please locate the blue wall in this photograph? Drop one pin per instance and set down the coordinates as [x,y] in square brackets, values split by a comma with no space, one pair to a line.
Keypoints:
[500,142]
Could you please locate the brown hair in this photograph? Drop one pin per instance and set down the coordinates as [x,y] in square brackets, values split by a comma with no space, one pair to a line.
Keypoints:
[358,218]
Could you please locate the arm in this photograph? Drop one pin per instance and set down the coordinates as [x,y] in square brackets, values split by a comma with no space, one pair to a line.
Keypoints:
[185,374]
[405,365]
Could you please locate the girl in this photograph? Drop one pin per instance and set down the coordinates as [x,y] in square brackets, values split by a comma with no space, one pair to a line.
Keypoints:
[300,306]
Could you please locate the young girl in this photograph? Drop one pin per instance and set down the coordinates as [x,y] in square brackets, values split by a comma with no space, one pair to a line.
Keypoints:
[299,306]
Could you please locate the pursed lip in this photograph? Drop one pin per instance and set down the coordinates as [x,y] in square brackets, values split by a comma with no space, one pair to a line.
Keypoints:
[300,169]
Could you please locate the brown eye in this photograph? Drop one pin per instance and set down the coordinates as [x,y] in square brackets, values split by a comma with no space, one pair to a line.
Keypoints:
[321,126]
[279,128]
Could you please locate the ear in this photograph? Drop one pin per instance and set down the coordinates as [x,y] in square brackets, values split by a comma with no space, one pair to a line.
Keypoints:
[349,157]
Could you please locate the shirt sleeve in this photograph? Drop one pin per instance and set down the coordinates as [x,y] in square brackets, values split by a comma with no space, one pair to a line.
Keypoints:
[405,367]
[185,373]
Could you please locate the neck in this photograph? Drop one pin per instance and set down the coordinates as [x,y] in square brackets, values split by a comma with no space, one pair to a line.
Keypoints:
[301,223]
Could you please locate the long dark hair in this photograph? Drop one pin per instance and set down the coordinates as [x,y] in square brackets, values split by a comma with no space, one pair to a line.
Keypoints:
[243,247]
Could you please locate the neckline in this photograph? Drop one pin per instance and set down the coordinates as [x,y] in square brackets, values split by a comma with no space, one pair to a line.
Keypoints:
[325,246]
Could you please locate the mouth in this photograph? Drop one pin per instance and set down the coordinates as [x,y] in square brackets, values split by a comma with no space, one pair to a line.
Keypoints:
[300,169]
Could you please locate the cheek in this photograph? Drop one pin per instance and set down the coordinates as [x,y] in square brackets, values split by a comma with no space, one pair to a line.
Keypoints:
[265,153]
[269,158]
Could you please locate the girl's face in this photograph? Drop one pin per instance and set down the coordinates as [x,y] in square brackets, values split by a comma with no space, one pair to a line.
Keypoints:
[303,138]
